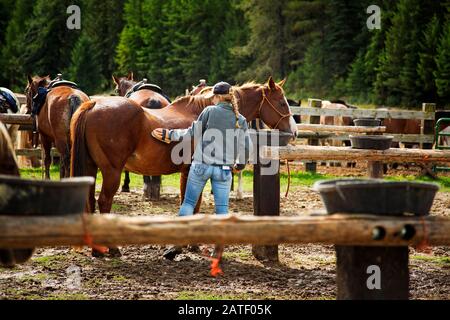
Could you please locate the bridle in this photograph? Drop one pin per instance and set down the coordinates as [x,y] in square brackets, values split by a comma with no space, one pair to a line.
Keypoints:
[265,99]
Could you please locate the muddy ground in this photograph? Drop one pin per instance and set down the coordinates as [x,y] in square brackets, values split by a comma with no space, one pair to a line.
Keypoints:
[304,272]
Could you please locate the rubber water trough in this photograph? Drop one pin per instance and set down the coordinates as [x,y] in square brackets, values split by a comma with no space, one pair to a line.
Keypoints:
[367,122]
[34,198]
[379,197]
[371,142]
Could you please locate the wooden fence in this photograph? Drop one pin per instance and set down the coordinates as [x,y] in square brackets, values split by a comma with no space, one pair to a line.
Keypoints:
[427,118]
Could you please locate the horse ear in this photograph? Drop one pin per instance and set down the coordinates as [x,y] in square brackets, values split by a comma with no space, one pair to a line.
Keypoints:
[30,79]
[130,76]
[271,84]
[282,83]
[116,80]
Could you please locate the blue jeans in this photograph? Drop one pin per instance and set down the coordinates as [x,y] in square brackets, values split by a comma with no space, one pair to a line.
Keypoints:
[198,176]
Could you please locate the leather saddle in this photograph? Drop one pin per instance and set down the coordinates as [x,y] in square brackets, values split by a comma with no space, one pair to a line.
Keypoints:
[143,85]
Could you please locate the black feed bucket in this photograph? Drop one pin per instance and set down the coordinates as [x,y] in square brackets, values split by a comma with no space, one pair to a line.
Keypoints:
[377,197]
[20,197]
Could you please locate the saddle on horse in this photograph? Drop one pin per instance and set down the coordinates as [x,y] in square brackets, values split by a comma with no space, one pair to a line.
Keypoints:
[40,98]
[143,85]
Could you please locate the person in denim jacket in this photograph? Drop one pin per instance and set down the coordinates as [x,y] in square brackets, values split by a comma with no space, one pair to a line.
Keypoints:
[224,146]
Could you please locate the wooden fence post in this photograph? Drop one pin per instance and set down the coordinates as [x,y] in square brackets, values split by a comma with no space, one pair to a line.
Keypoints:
[427,126]
[266,197]
[313,103]
[372,273]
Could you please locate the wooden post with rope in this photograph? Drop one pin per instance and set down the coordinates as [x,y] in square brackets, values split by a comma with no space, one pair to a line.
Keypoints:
[313,103]
[427,127]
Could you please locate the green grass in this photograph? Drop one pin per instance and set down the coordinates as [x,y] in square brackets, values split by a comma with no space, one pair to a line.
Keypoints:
[298,178]
[49,261]
[443,261]
[444,182]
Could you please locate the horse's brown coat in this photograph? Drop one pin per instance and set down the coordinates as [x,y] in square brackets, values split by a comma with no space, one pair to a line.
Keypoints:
[54,120]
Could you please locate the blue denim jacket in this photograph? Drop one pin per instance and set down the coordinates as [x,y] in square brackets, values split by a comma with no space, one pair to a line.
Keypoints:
[218,141]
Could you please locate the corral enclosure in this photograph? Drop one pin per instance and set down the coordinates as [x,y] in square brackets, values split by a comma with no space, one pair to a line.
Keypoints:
[304,271]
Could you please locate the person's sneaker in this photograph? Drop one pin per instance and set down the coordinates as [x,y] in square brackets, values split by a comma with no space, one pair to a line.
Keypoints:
[172,252]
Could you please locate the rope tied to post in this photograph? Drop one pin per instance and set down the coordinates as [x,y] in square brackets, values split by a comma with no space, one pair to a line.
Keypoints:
[424,245]
[88,239]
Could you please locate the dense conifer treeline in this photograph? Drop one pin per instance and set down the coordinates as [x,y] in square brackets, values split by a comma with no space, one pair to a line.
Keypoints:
[323,47]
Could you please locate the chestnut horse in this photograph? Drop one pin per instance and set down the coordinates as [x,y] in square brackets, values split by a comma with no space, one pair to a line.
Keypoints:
[115,133]
[54,119]
[146,98]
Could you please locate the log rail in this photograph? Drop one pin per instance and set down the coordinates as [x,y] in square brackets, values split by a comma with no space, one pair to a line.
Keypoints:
[23,232]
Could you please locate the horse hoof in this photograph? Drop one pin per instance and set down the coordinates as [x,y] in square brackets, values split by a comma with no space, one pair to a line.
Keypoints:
[172,252]
[125,190]
[114,253]
[97,254]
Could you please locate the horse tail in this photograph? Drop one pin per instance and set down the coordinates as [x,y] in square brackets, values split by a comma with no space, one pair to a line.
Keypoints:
[80,154]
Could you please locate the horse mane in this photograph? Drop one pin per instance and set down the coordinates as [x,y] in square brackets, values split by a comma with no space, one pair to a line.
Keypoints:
[199,102]
[195,103]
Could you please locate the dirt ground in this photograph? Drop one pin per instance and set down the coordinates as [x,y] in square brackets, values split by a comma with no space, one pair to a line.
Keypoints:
[304,272]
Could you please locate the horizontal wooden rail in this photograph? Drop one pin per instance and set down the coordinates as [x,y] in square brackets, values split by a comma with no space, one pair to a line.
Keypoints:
[345,129]
[313,153]
[364,113]
[19,119]
[34,152]
[109,230]
[404,138]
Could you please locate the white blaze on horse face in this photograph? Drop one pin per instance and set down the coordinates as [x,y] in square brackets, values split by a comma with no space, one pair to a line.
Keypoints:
[293,127]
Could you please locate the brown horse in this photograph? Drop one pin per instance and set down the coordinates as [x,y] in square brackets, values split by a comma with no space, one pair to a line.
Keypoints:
[146,98]
[54,119]
[115,133]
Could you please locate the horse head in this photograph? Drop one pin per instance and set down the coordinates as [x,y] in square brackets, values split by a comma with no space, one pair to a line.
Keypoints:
[34,83]
[268,103]
[124,84]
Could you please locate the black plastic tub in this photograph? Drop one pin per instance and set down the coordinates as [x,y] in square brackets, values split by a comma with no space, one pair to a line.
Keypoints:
[20,197]
[367,122]
[269,138]
[377,197]
[371,142]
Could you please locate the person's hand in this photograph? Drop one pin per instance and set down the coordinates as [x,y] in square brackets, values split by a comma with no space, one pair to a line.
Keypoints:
[162,135]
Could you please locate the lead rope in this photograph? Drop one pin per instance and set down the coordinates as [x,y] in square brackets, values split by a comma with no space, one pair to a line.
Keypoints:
[89,239]
[424,246]
[289,179]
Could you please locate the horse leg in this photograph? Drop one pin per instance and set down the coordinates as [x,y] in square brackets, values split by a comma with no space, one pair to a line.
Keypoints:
[126,182]
[240,190]
[47,146]
[111,183]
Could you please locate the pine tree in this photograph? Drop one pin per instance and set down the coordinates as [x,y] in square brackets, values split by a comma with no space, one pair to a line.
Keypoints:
[442,74]
[427,64]
[85,66]
[48,42]
[267,43]
[10,61]
[130,38]
[103,23]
